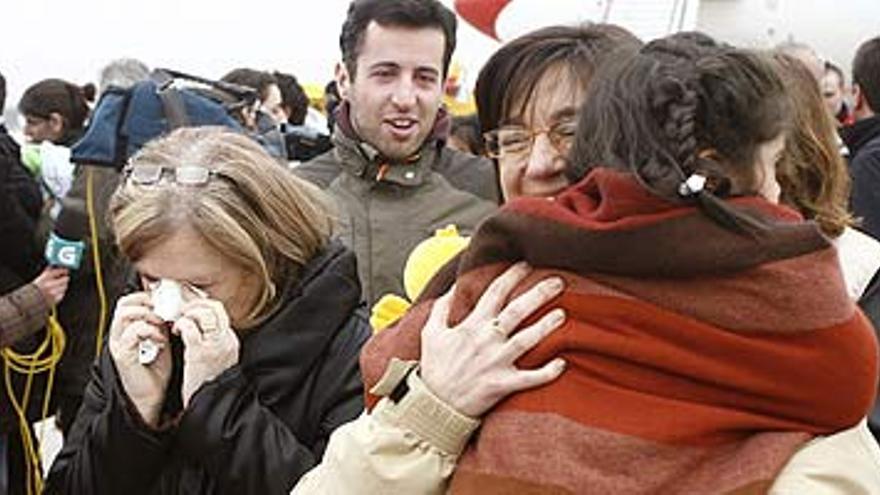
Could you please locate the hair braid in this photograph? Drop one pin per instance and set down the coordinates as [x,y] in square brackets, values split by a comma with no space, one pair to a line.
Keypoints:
[673,103]
[687,117]
[676,102]
[680,129]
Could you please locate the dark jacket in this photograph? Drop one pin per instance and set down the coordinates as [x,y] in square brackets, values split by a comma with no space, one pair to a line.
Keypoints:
[863,141]
[385,209]
[870,304]
[21,258]
[20,205]
[256,428]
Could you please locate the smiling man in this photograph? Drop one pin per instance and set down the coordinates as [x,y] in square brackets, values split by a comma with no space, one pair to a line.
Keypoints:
[390,174]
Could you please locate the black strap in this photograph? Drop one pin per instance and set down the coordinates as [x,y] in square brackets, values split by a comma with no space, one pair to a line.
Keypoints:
[175,110]
[172,101]
[402,387]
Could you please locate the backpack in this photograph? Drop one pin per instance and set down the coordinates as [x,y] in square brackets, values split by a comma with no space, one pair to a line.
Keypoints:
[125,119]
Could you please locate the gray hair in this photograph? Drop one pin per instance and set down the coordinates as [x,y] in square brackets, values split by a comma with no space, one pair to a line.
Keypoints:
[123,73]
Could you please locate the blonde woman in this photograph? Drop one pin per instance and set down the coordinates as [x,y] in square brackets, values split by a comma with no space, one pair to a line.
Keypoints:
[251,374]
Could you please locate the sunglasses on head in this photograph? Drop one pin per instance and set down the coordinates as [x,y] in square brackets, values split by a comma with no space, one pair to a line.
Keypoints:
[188,175]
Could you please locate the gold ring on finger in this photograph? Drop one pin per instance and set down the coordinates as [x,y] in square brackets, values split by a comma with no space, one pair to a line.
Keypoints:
[209,326]
[495,326]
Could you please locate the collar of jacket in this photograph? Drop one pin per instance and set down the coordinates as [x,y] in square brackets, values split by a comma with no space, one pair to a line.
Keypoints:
[287,345]
[860,133]
[363,160]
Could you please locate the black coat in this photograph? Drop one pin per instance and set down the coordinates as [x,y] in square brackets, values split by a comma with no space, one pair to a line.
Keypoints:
[255,429]
[21,259]
[863,141]
[20,205]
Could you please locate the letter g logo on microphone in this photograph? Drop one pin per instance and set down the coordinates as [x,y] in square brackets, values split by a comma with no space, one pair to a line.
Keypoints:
[64,253]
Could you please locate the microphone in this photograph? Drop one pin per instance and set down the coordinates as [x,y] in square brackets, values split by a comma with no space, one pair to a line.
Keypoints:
[66,247]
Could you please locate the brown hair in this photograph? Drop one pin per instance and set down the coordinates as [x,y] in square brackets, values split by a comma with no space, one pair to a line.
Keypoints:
[511,75]
[394,13]
[253,211]
[657,114]
[66,99]
[866,71]
[812,174]
[255,79]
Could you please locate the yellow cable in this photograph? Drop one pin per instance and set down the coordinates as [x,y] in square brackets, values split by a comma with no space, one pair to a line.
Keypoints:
[96,257]
[39,362]
[31,365]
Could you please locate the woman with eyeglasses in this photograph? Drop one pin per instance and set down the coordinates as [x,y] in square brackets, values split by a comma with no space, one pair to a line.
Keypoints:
[707,328]
[229,370]
[528,97]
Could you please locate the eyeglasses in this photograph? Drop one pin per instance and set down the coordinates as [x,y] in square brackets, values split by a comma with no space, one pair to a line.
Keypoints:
[515,142]
[146,174]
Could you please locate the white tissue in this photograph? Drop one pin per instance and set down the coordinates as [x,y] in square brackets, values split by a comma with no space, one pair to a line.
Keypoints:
[167,300]
[148,351]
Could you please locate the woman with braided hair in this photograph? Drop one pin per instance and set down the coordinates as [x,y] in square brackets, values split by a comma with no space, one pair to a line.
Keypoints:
[706,326]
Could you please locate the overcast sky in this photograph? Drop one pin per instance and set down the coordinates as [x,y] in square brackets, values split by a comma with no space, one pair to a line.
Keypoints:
[73,39]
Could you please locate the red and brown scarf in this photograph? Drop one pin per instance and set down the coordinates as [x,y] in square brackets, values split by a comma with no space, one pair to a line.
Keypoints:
[699,360]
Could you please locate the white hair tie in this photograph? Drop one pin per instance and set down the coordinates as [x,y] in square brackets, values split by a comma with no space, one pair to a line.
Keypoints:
[692,186]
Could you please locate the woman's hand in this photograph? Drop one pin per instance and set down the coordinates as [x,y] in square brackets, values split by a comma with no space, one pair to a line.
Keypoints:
[133,322]
[210,344]
[471,366]
[52,282]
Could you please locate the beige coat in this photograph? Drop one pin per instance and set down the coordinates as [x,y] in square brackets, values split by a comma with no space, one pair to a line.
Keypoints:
[411,448]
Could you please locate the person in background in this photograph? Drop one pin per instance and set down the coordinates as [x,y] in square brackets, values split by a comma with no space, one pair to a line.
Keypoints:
[24,306]
[807,56]
[122,73]
[814,179]
[834,92]
[269,95]
[392,178]
[56,110]
[256,367]
[331,103]
[294,101]
[21,207]
[55,114]
[302,141]
[264,118]
[863,137]
[465,135]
